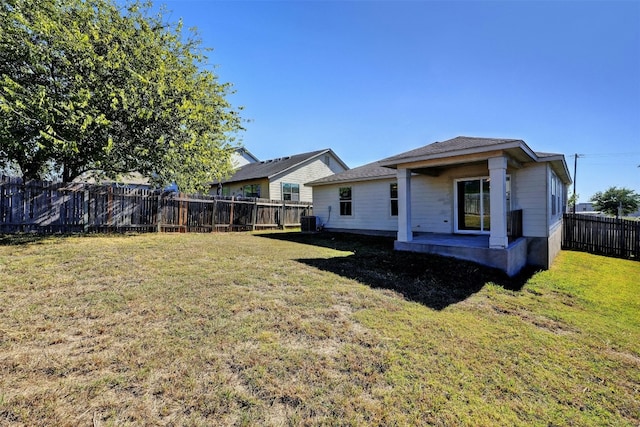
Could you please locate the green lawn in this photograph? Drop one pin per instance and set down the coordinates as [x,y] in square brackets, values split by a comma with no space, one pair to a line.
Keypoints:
[291,329]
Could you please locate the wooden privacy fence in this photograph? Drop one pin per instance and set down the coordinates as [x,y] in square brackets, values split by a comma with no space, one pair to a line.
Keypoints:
[46,207]
[603,236]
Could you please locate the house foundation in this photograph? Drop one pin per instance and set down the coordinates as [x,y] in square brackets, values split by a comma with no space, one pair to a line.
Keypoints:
[470,248]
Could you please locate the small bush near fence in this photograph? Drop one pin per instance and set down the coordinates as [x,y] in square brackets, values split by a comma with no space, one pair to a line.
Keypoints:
[603,236]
[46,207]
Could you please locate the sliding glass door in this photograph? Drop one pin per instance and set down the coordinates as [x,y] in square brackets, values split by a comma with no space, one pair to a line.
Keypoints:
[473,206]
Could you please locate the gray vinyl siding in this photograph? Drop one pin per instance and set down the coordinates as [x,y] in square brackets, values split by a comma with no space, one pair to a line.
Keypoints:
[370,206]
[529,188]
[433,198]
[431,204]
[433,201]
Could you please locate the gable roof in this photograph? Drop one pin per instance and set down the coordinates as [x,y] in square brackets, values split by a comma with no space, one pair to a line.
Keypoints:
[368,172]
[273,167]
[517,149]
[457,146]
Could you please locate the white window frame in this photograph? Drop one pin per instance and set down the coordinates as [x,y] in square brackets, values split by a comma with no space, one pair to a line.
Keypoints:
[291,193]
[393,199]
[556,191]
[349,200]
[455,202]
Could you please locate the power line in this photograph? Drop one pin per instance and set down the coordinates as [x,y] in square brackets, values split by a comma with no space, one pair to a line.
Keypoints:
[633,164]
[610,154]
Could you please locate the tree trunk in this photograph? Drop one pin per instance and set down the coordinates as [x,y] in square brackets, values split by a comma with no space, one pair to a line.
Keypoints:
[68,173]
[30,171]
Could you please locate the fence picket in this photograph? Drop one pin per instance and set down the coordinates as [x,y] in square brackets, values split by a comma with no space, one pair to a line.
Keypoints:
[603,236]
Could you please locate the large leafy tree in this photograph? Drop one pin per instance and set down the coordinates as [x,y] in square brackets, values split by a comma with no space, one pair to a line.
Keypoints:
[614,198]
[91,85]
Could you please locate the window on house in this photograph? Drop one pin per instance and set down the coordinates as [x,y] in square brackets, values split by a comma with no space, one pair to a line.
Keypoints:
[291,192]
[327,160]
[393,195]
[554,193]
[345,201]
[251,190]
[508,190]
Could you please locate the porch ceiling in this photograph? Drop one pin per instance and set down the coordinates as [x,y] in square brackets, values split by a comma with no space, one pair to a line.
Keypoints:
[434,167]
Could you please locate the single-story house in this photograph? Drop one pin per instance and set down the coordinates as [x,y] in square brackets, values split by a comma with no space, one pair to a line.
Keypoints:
[493,201]
[283,178]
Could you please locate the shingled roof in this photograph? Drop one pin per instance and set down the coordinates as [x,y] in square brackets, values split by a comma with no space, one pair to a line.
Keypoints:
[272,167]
[366,172]
[451,146]
[458,146]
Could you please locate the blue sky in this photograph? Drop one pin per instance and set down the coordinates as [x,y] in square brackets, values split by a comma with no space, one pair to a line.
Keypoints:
[370,79]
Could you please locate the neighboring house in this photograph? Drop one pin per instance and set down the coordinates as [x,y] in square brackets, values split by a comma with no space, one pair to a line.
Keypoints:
[241,156]
[493,201]
[585,208]
[129,180]
[283,178]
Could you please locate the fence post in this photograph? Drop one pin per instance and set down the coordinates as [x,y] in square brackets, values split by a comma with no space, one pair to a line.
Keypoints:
[636,233]
[254,218]
[623,249]
[231,215]
[183,213]
[213,215]
[159,214]
[109,206]
[85,207]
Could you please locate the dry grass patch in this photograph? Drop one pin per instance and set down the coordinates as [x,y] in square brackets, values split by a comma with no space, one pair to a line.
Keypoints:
[287,329]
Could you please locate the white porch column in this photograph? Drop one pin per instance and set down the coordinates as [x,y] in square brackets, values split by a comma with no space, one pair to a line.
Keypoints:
[404,205]
[498,198]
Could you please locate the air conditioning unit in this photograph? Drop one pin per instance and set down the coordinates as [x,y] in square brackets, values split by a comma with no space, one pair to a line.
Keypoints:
[308,224]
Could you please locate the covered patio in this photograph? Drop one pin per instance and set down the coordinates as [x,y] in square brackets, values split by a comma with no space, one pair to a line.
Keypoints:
[483,228]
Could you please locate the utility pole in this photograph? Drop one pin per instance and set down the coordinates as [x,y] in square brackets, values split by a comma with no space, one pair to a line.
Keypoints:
[575,171]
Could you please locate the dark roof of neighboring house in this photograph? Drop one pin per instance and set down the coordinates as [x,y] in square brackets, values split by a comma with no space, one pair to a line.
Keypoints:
[362,173]
[269,168]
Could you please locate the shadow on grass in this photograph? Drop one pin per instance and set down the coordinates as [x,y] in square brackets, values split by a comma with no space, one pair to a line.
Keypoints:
[432,280]
[23,238]
[18,239]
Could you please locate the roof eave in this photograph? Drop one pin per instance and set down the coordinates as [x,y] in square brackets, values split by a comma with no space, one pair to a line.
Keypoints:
[561,167]
[468,151]
[349,180]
